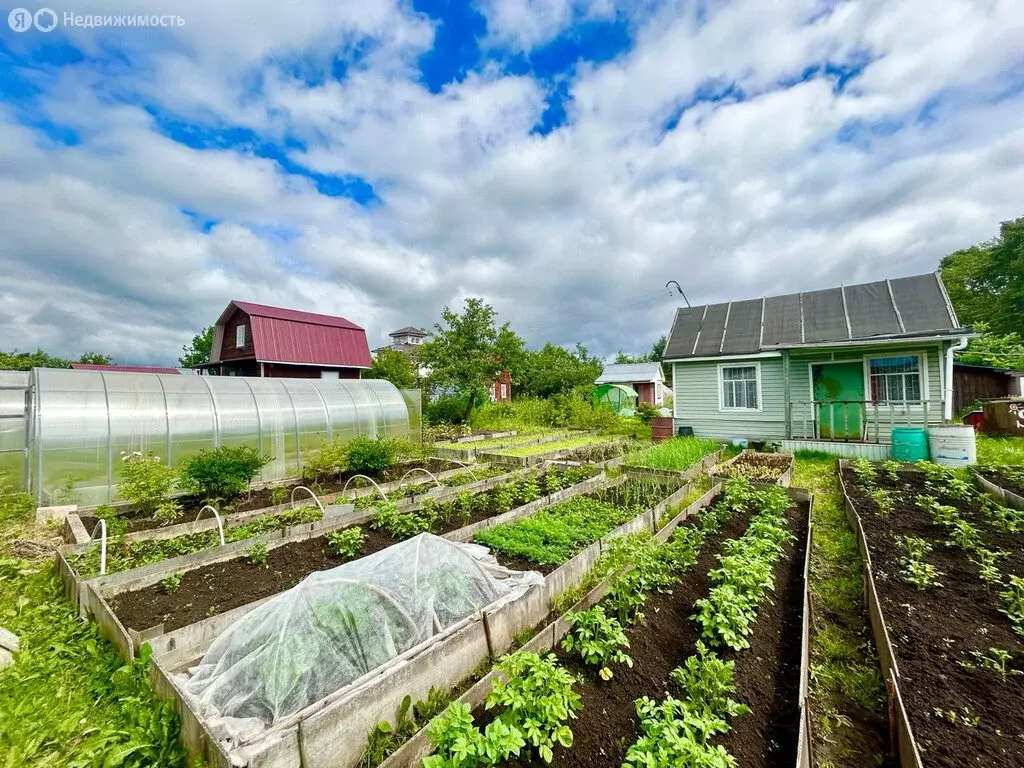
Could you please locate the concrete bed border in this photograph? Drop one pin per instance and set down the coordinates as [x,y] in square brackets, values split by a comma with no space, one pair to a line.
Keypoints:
[93,594]
[784,480]
[412,752]
[323,736]
[77,534]
[1003,496]
[899,721]
[684,474]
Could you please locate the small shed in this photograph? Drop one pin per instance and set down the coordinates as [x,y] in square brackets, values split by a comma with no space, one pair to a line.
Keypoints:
[501,389]
[974,383]
[647,379]
[617,397]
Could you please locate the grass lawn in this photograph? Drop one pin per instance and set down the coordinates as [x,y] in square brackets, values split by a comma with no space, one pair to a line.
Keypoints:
[677,453]
[1000,450]
[847,694]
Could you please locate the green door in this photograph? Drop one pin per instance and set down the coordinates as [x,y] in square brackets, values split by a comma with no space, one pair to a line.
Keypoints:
[838,392]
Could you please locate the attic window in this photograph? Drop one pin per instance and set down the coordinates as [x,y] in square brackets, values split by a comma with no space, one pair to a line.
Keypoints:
[239,336]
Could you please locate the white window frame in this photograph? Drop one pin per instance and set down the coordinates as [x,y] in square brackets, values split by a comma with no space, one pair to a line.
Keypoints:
[922,378]
[721,386]
[239,335]
[504,391]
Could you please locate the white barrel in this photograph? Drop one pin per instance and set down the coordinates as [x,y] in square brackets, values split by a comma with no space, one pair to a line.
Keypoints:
[953,445]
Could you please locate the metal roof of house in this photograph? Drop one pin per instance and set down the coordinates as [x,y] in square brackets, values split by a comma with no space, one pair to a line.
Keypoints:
[886,310]
[304,338]
[408,331]
[124,368]
[630,373]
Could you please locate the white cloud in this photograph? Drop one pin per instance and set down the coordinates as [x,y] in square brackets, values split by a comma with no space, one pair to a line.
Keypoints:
[571,235]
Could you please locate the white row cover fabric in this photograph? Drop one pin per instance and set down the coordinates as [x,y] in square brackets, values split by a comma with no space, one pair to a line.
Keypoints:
[337,625]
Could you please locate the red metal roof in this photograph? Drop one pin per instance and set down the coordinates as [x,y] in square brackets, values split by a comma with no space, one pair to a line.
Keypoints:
[124,368]
[307,338]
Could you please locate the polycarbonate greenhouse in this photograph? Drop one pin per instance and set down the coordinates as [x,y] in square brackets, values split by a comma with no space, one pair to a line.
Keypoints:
[79,422]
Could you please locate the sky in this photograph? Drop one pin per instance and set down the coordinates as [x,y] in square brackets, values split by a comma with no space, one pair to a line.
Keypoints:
[563,159]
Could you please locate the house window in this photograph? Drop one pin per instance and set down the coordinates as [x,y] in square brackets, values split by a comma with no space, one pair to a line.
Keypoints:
[240,336]
[895,379]
[739,387]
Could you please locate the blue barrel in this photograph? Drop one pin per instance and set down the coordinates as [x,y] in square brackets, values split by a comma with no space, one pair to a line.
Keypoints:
[909,444]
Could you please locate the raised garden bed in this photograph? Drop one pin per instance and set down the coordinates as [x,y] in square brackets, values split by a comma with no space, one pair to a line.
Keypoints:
[602,452]
[267,496]
[939,559]
[470,451]
[133,550]
[758,468]
[1005,483]
[330,732]
[535,454]
[770,676]
[226,569]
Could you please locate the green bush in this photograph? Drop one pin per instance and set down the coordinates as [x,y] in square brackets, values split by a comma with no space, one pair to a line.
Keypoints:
[330,459]
[222,473]
[445,410]
[365,455]
[646,412]
[147,483]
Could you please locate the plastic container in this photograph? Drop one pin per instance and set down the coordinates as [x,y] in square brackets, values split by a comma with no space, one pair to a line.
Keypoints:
[909,444]
[953,445]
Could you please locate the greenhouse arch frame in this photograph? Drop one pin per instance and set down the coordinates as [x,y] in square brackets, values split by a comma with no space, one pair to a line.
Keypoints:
[80,423]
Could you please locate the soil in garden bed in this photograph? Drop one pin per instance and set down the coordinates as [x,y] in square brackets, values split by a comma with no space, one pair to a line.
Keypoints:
[757,466]
[936,629]
[1004,482]
[260,499]
[767,674]
[220,587]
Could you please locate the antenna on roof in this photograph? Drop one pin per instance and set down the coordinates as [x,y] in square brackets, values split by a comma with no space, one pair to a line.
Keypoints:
[673,282]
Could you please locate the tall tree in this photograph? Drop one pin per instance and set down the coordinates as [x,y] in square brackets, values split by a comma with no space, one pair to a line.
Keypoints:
[26,361]
[555,370]
[95,358]
[199,350]
[986,281]
[394,366]
[464,352]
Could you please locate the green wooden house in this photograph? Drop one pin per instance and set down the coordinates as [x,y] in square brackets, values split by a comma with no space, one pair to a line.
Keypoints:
[818,369]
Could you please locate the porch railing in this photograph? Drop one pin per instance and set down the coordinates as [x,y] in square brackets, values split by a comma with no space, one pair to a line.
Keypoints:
[860,421]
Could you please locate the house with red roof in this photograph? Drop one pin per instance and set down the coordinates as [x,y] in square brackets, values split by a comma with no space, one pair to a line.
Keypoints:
[258,340]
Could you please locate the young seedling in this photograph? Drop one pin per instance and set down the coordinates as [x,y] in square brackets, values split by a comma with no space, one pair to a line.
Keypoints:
[599,640]
[1013,603]
[347,542]
[171,583]
[257,554]
[997,660]
[915,570]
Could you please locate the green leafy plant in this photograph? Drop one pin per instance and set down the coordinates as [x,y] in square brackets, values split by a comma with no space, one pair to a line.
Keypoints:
[367,456]
[224,473]
[1013,603]
[865,472]
[708,681]
[326,462]
[674,733]
[997,660]
[915,570]
[257,554]
[892,469]
[346,543]
[403,525]
[883,499]
[279,495]
[146,481]
[675,454]
[386,738]
[534,706]
[171,583]
[985,559]
[599,639]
